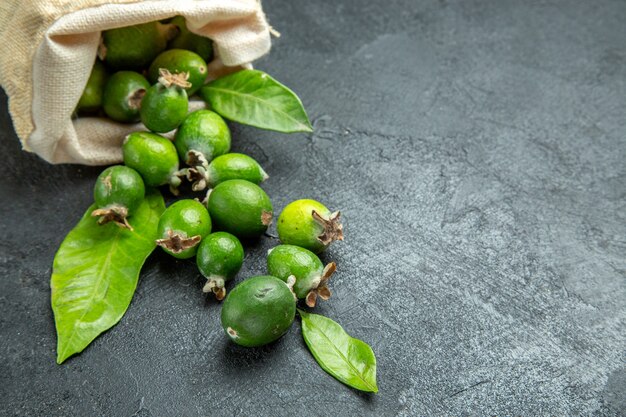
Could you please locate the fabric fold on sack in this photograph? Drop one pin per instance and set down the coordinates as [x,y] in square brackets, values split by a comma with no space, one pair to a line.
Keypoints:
[50,47]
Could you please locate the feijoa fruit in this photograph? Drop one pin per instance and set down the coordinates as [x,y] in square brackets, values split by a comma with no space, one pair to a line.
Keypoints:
[258,311]
[309,224]
[311,276]
[182,227]
[118,192]
[219,258]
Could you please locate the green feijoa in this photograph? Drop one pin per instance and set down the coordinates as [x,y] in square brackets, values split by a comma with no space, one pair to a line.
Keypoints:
[165,104]
[219,258]
[182,227]
[202,136]
[190,41]
[241,208]
[134,47]
[122,96]
[119,190]
[180,61]
[91,99]
[154,157]
[258,311]
[309,224]
[311,276]
[234,166]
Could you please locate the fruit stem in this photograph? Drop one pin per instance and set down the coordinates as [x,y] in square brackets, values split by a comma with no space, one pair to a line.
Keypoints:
[321,289]
[291,281]
[175,182]
[215,284]
[198,173]
[264,175]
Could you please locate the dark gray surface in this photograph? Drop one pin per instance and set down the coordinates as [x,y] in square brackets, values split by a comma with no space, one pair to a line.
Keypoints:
[477,152]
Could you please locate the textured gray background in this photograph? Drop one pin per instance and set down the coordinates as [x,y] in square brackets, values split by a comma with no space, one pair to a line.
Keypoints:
[476,149]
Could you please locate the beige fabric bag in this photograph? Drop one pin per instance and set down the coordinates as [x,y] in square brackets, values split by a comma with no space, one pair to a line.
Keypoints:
[48,48]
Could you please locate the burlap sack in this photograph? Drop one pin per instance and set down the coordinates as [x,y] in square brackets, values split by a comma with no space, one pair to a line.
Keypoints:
[48,48]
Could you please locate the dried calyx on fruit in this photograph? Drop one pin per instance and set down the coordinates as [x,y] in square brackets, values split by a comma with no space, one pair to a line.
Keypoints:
[165,104]
[180,61]
[311,276]
[118,192]
[309,224]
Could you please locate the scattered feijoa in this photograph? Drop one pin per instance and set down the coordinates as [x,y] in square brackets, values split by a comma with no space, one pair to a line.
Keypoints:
[165,104]
[202,136]
[309,224]
[311,276]
[154,157]
[241,208]
[219,258]
[234,166]
[258,311]
[118,192]
[182,227]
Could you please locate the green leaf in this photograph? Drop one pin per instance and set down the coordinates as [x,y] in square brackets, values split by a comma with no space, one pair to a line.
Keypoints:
[95,274]
[349,360]
[252,97]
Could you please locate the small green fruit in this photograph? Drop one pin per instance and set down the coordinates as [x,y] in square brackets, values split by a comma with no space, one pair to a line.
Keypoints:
[135,47]
[202,136]
[190,41]
[219,258]
[182,226]
[154,157]
[122,96]
[180,61]
[230,166]
[258,311]
[309,224]
[311,276]
[241,208]
[91,99]
[119,190]
[165,104]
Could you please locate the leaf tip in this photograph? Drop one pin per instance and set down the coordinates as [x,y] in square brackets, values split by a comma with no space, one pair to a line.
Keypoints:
[307,126]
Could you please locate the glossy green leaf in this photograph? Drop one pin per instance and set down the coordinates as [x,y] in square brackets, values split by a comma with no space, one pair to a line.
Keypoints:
[349,360]
[254,98]
[95,274]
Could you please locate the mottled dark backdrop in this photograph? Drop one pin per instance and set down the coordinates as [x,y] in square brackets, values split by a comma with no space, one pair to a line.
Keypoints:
[477,150]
